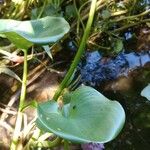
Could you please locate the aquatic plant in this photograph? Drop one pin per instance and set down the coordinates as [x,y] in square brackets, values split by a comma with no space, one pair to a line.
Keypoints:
[84,115]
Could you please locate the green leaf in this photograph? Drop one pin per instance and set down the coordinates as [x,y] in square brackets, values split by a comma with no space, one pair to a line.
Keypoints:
[41,31]
[89,117]
[70,11]
[118,45]
[48,51]
[32,104]
[10,73]
[106,14]
[49,10]
[146,92]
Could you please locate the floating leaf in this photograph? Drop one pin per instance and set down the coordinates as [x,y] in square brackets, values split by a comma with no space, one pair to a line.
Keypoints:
[89,117]
[10,73]
[146,92]
[41,31]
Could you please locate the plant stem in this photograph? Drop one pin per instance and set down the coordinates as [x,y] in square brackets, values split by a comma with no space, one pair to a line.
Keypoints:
[66,145]
[118,13]
[132,17]
[79,20]
[24,82]
[130,25]
[80,50]
[100,4]
[19,118]
[42,9]
[48,144]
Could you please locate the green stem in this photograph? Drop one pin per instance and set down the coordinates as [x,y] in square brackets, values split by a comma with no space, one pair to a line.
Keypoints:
[79,17]
[80,51]
[130,25]
[33,139]
[42,9]
[24,82]
[42,144]
[48,144]
[118,13]
[132,17]
[19,118]
[66,145]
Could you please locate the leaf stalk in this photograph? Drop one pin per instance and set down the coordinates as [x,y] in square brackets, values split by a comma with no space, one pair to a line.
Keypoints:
[15,139]
[80,51]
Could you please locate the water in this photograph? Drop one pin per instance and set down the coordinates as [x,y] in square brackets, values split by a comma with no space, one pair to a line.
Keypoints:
[96,69]
[122,78]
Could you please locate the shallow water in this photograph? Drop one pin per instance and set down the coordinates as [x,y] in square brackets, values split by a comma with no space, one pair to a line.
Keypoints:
[96,69]
[122,77]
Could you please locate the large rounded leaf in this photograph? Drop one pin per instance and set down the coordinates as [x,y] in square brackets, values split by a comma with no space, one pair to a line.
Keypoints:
[41,31]
[89,117]
[146,92]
